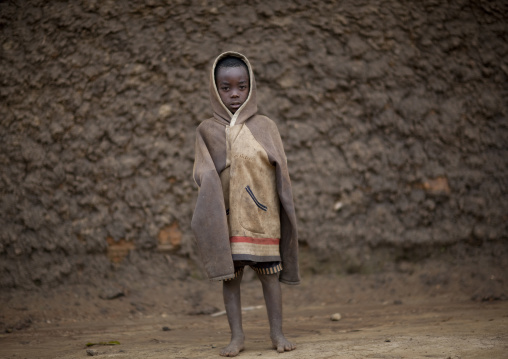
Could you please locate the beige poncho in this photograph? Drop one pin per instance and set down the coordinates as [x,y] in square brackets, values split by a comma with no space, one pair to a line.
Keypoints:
[244,210]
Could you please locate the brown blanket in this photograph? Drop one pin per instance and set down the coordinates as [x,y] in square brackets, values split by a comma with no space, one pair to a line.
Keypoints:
[244,209]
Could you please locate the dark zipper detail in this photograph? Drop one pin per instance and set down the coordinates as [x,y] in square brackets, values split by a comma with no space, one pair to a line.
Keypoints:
[251,194]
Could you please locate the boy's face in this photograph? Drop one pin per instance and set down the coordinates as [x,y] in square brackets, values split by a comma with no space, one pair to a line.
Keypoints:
[233,86]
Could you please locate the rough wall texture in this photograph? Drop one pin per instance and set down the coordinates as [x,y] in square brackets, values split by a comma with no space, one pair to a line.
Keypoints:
[393,114]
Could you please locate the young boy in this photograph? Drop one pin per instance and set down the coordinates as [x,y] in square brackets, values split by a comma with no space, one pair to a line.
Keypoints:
[244,212]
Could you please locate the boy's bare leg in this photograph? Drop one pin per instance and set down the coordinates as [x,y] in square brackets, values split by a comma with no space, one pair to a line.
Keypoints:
[273,299]
[232,302]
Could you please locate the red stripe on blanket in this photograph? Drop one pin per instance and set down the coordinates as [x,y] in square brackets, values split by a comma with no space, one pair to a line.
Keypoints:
[269,241]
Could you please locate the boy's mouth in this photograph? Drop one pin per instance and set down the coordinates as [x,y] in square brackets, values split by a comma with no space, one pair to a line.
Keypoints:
[236,105]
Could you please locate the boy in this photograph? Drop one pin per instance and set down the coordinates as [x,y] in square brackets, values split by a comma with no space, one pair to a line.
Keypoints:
[244,213]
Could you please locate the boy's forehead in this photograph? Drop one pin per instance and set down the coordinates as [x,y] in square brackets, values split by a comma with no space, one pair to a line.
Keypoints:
[236,73]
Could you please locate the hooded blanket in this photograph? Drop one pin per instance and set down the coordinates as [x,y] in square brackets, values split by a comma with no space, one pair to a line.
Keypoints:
[244,210]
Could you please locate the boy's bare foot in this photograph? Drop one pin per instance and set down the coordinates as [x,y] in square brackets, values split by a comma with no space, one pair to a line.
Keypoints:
[282,344]
[235,347]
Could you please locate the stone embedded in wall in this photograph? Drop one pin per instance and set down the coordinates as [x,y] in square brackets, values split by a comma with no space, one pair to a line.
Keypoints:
[165,110]
[438,185]
[169,238]
[118,250]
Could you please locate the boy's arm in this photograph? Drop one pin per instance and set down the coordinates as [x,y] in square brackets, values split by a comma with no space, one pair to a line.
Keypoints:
[209,222]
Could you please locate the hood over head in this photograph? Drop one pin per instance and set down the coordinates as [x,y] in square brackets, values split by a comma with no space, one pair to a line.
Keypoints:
[249,107]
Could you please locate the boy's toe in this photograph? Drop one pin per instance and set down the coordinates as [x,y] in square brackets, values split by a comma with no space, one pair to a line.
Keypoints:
[282,344]
[227,353]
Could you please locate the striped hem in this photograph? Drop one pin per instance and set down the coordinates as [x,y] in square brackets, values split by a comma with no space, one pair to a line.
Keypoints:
[221,278]
[257,259]
[238,272]
[273,270]
[259,270]
[252,240]
[258,247]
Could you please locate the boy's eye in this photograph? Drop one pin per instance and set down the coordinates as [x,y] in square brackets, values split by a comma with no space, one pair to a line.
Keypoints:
[224,88]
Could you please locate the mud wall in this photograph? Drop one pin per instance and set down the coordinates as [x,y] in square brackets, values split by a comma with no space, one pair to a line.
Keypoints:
[393,114]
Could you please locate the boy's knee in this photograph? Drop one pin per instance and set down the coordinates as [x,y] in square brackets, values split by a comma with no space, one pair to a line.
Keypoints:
[268,278]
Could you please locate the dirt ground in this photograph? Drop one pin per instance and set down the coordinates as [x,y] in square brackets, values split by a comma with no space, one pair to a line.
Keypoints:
[388,315]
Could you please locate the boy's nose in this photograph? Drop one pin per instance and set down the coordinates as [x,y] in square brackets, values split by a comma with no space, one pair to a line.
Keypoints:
[234,93]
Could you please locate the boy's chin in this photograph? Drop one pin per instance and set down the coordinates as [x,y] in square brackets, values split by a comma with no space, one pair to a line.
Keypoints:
[234,108]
